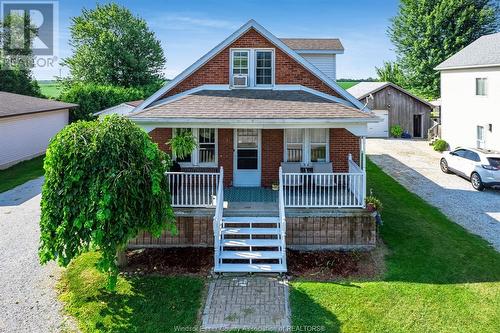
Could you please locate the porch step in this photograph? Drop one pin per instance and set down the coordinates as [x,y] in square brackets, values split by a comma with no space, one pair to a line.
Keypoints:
[251,255]
[228,260]
[250,231]
[263,219]
[250,268]
[251,242]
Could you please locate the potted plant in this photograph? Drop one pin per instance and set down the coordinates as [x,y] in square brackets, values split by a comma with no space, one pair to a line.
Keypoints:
[182,144]
[275,185]
[373,204]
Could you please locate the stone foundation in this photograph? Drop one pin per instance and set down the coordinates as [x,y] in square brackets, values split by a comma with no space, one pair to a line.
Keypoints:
[336,231]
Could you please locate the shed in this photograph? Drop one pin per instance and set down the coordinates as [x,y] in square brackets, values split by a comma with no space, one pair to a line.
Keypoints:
[396,106]
[27,124]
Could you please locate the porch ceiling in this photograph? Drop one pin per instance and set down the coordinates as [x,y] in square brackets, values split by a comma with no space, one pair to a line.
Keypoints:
[254,104]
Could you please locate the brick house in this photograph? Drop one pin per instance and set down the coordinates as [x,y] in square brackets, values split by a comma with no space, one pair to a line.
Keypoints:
[264,115]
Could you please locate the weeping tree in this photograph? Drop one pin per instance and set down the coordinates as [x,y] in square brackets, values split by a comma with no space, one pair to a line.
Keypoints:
[104,183]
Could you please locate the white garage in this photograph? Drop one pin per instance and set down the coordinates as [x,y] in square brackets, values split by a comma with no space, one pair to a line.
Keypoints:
[26,126]
[380,129]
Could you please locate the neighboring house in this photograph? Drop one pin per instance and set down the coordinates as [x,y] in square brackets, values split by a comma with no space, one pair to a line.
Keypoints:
[121,109]
[264,117]
[470,95]
[27,124]
[395,106]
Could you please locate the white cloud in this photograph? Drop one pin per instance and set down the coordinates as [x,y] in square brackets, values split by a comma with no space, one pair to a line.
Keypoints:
[181,21]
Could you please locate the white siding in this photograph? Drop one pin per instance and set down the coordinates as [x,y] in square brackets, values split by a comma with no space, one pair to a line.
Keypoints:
[324,62]
[462,111]
[26,136]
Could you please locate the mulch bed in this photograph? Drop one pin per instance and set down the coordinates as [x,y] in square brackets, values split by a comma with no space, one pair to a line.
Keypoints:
[310,265]
[173,261]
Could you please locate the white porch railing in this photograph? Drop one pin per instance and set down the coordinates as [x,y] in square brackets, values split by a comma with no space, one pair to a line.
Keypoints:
[281,203]
[193,189]
[326,190]
[219,208]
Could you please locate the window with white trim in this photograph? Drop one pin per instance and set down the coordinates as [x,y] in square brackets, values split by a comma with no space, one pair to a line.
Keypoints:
[307,145]
[205,154]
[263,67]
[318,142]
[240,62]
[294,144]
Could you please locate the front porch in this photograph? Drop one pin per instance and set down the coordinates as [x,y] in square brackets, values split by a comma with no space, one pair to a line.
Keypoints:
[300,190]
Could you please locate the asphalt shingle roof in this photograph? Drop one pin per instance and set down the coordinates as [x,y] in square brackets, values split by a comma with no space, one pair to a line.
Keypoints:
[15,104]
[483,51]
[322,44]
[252,104]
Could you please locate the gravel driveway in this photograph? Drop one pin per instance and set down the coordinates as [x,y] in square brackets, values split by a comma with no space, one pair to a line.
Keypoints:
[28,301]
[416,166]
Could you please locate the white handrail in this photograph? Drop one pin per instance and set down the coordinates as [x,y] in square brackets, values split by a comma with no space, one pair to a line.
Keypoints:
[219,208]
[282,218]
[326,190]
[193,189]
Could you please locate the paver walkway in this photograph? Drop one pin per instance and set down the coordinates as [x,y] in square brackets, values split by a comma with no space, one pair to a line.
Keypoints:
[257,302]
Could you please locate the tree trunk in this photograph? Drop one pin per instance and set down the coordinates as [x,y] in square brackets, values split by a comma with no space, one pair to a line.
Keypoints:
[121,258]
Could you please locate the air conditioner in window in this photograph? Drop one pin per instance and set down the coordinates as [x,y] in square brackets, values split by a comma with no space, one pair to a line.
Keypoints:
[240,80]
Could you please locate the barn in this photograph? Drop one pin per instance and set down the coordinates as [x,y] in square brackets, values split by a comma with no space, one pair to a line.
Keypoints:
[395,106]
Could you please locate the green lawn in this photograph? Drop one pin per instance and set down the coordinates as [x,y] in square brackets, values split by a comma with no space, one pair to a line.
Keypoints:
[347,84]
[140,304]
[20,173]
[50,89]
[439,277]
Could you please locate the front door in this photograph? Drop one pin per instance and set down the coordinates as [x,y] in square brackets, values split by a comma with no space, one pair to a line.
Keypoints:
[417,125]
[247,164]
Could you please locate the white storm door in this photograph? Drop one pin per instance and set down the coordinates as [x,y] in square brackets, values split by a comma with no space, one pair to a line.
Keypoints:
[247,157]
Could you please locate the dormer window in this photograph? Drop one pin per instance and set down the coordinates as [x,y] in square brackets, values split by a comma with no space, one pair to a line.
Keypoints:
[240,62]
[264,68]
[252,68]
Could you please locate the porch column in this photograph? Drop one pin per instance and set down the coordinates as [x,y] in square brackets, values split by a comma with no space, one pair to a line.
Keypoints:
[225,151]
[272,155]
[343,143]
[161,136]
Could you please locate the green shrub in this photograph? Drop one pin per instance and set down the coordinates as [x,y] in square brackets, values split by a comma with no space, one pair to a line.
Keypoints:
[92,98]
[104,183]
[396,131]
[440,145]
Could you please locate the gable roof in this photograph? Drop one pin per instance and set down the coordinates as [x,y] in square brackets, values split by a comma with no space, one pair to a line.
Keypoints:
[221,46]
[130,105]
[16,104]
[255,104]
[483,52]
[364,89]
[314,44]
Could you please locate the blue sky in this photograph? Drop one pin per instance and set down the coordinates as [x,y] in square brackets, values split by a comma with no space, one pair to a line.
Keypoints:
[189,29]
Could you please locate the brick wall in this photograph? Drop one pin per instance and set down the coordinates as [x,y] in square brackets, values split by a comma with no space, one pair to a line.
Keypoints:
[343,143]
[216,70]
[161,136]
[272,155]
[225,146]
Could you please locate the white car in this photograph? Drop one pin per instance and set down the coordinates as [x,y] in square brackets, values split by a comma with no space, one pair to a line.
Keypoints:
[480,166]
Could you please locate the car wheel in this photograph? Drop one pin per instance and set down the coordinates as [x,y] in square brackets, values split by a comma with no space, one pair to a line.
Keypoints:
[476,181]
[444,166]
